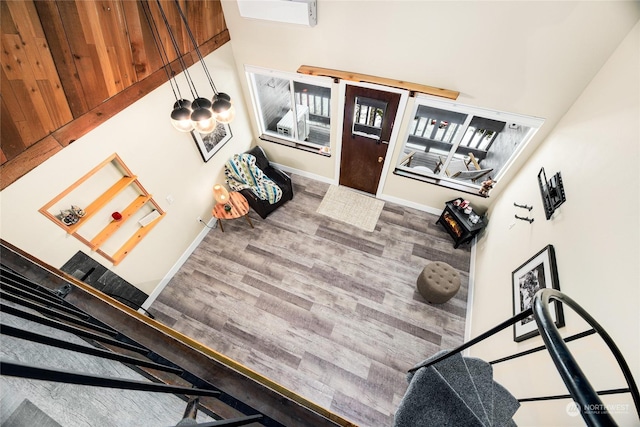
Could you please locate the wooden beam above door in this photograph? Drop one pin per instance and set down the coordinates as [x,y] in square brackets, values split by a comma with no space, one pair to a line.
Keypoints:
[357,77]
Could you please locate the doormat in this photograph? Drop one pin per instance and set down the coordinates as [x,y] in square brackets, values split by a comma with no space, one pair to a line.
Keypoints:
[351,207]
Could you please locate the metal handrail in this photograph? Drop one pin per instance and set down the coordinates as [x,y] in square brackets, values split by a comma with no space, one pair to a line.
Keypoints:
[579,387]
[21,370]
[573,377]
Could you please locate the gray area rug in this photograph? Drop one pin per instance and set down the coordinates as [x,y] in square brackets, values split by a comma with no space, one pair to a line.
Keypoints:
[351,207]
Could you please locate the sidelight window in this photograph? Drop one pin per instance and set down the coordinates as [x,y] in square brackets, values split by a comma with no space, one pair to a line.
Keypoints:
[460,146]
[292,109]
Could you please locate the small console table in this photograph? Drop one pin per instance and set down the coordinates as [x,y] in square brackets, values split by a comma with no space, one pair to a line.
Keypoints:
[457,224]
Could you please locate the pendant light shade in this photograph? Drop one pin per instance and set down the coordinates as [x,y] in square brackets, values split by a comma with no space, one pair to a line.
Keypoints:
[202,116]
[205,126]
[181,116]
[223,109]
[201,109]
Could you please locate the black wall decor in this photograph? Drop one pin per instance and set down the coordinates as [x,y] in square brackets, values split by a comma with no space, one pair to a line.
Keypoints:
[552,192]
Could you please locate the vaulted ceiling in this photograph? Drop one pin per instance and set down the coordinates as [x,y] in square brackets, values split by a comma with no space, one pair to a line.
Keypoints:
[67,66]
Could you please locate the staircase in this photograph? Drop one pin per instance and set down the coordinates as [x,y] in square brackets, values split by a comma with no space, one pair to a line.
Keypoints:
[450,390]
[457,391]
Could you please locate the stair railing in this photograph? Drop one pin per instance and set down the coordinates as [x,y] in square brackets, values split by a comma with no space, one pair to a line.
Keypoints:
[575,380]
[32,302]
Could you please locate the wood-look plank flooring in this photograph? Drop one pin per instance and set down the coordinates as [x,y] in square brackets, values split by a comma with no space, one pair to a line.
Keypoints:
[323,308]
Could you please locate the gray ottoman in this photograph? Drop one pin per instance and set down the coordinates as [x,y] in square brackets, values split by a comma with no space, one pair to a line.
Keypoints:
[438,282]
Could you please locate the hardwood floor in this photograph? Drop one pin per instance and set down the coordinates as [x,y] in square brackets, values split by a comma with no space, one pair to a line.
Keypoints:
[326,309]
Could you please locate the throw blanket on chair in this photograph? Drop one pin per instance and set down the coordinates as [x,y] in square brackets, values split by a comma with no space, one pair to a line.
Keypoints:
[241,172]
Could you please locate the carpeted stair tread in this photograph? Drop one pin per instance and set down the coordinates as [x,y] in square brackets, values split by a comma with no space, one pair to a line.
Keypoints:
[430,401]
[455,372]
[504,406]
[457,391]
[482,374]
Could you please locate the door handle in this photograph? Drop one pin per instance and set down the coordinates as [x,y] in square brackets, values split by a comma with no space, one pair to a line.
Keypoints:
[380,159]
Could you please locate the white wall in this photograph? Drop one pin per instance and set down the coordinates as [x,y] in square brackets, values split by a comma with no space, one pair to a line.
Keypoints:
[532,58]
[166,162]
[596,235]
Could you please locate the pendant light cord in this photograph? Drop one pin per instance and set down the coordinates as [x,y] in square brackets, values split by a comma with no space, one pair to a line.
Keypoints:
[197,49]
[192,87]
[162,52]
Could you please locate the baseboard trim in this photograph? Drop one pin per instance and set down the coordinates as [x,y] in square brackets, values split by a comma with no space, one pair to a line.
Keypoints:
[304,173]
[174,269]
[410,204]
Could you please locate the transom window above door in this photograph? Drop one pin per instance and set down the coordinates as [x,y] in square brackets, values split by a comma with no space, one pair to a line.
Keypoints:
[292,109]
[460,146]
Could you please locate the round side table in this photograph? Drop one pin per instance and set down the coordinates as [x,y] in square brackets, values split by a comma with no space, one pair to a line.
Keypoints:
[238,207]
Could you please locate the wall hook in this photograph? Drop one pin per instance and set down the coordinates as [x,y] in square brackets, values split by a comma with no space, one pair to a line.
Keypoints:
[529,220]
[523,206]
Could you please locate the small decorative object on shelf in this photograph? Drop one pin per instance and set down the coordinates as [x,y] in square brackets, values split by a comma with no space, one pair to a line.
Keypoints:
[71,216]
[486,187]
[68,217]
[78,211]
[117,216]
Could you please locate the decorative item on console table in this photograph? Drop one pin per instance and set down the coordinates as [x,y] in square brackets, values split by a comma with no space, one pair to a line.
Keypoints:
[460,225]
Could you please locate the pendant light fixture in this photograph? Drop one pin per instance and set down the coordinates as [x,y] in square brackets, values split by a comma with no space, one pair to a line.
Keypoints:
[201,116]
[181,114]
[220,104]
[197,114]
[222,107]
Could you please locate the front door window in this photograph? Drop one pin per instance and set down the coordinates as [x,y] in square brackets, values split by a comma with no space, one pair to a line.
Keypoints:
[368,117]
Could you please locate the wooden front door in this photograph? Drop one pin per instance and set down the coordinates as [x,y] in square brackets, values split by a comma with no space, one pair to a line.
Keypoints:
[369,116]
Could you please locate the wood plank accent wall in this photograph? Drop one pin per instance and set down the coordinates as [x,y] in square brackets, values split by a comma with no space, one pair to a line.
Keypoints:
[69,65]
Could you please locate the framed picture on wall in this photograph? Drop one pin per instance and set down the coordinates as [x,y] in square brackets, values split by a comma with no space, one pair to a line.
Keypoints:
[209,144]
[537,273]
